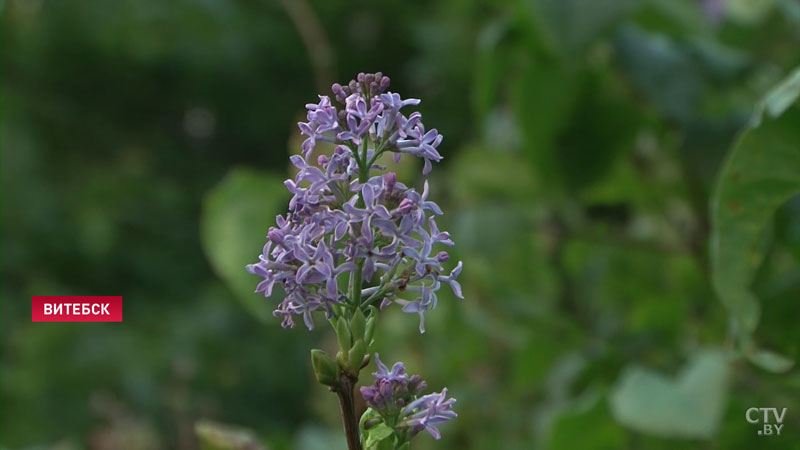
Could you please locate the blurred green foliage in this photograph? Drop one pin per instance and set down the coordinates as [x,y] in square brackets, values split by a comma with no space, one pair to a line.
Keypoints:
[143,145]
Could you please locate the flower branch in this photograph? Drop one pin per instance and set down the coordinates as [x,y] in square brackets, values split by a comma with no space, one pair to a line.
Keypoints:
[345,219]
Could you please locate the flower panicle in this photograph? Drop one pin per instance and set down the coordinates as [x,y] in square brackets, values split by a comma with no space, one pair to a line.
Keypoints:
[343,220]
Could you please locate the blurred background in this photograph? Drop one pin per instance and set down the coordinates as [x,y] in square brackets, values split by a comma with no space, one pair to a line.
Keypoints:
[144,144]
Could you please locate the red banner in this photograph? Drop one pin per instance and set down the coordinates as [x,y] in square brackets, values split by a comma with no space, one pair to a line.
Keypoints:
[58,308]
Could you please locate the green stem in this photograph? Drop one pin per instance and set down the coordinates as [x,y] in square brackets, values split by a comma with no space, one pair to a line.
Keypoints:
[377,295]
[385,288]
[378,152]
[355,295]
[363,176]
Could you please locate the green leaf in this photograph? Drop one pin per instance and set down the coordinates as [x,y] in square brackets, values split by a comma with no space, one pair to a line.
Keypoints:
[369,329]
[386,444]
[770,361]
[689,406]
[377,435]
[236,215]
[356,355]
[215,436]
[343,335]
[761,173]
[358,324]
[325,368]
[781,97]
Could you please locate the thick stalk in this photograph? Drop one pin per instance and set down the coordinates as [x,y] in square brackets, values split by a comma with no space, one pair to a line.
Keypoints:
[347,405]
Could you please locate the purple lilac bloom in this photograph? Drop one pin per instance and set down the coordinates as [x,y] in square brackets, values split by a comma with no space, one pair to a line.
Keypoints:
[341,217]
[393,389]
[396,396]
[426,412]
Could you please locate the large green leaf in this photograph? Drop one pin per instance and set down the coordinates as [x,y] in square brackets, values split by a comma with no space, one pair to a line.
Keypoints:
[236,216]
[689,406]
[761,173]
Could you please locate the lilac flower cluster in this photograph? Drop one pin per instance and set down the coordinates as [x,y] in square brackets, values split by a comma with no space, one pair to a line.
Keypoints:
[342,220]
[393,389]
[395,396]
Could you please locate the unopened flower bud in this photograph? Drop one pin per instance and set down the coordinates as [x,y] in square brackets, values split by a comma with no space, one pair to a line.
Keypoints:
[275,235]
[405,206]
[372,422]
[390,179]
